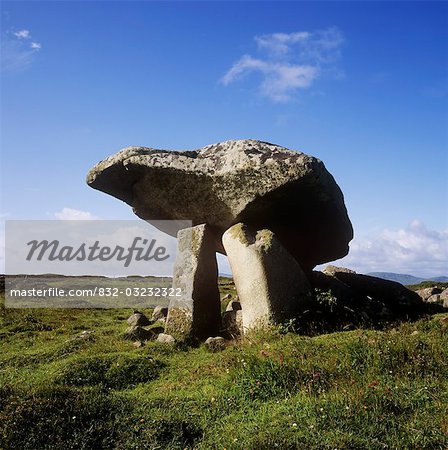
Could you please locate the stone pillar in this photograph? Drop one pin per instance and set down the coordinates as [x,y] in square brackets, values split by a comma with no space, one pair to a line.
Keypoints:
[196,313]
[271,285]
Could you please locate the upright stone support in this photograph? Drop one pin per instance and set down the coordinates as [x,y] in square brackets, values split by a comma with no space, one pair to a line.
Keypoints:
[271,285]
[196,313]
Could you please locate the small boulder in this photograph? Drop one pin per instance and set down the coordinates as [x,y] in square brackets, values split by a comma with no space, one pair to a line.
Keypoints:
[426,293]
[159,313]
[435,298]
[444,298]
[136,333]
[138,319]
[397,298]
[215,344]
[85,335]
[166,339]
[138,344]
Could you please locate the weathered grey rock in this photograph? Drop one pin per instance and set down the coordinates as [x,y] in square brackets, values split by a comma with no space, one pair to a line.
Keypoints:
[426,293]
[215,344]
[445,302]
[197,312]
[137,333]
[166,339]
[444,298]
[391,294]
[261,184]
[159,313]
[435,298]
[86,335]
[138,319]
[271,285]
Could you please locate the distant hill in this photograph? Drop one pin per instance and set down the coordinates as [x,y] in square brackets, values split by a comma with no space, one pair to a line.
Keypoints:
[406,279]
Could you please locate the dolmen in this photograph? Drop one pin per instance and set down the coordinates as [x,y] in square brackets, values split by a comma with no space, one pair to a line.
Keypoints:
[275,213]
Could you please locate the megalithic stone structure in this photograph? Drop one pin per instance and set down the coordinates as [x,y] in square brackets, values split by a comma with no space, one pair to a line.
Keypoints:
[196,313]
[271,285]
[286,197]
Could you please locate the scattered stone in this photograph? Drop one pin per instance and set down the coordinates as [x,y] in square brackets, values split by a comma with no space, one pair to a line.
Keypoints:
[166,339]
[138,344]
[444,298]
[159,313]
[271,285]
[138,319]
[435,298]
[263,185]
[215,344]
[86,335]
[197,312]
[136,333]
[379,298]
[226,297]
[445,301]
[426,293]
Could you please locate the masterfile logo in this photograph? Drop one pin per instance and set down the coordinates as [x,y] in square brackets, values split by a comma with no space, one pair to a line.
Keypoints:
[90,263]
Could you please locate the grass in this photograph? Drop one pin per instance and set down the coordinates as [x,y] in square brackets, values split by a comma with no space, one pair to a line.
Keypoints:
[359,389]
[428,284]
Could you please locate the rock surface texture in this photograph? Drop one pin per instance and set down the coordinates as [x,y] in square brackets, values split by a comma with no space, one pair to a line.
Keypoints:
[271,285]
[196,313]
[262,185]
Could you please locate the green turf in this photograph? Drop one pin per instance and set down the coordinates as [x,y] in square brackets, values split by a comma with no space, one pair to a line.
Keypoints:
[359,389]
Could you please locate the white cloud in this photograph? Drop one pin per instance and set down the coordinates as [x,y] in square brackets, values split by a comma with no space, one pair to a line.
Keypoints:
[17,53]
[414,250]
[280,43]
[74,214]
[289,62]
[22,34]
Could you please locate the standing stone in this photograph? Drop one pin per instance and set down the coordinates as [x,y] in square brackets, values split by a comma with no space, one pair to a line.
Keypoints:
[271,285]
[196,313]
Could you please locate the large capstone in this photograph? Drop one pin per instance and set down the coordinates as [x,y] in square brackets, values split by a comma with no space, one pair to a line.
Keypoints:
[262,185]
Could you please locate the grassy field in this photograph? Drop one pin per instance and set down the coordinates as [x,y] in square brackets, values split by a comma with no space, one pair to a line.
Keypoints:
[359,389]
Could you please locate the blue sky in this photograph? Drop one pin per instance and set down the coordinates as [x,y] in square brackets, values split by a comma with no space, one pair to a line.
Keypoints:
[361,85]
